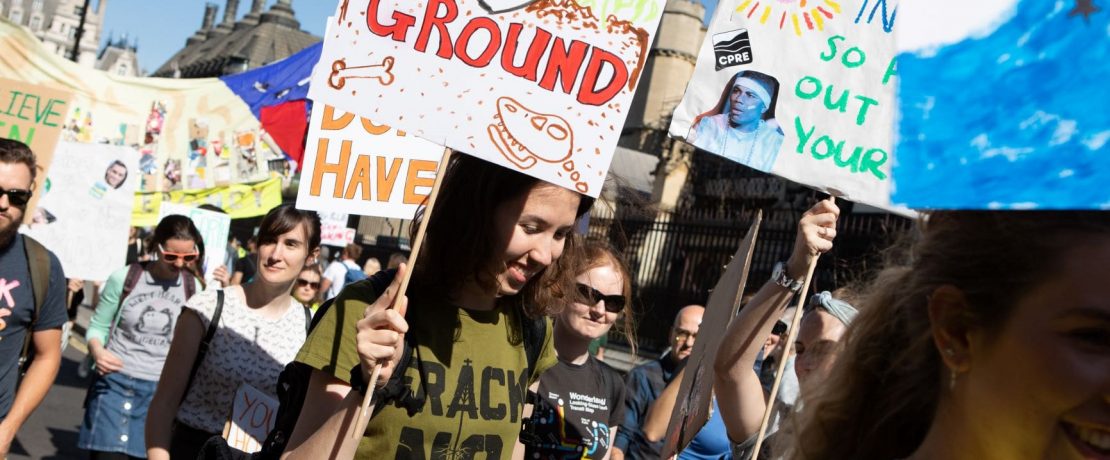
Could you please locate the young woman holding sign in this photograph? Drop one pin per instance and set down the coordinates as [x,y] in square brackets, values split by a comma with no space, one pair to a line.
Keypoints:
[258,330]
[990,341]
[474,339]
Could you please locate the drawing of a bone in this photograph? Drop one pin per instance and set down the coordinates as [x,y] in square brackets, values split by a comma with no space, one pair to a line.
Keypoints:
[503,6]
[524,136]
[340,73]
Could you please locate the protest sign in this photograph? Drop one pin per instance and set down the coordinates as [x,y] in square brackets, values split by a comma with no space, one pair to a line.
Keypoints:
[253,415]
[1004,106]
[239,201]
[213,226]
[542,86]
[334,231]
[352,165]
[695,394]
[802,90]
[85,212]
[33,115]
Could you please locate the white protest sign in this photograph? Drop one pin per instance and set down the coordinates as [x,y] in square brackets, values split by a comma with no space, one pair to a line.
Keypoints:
[802,90]
[253,414]
[85,214]
[334,231]
[542,87]
[354,166]
[213,227]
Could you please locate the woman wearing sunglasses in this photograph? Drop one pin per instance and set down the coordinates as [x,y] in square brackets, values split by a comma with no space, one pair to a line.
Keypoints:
[129,338]
[307,287]
[581,400]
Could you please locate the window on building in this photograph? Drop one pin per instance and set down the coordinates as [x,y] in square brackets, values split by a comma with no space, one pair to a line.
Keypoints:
[77,10]
[36,22]
[16,16]
[122,70]
[36,5]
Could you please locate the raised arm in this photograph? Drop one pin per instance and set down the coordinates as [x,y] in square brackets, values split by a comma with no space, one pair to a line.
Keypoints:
[187,336]
[739,393]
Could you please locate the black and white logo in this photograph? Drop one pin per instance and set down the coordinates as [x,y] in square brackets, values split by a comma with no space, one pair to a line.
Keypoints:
[732,48]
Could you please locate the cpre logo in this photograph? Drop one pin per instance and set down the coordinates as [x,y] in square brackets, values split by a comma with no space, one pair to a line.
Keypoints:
[732,48]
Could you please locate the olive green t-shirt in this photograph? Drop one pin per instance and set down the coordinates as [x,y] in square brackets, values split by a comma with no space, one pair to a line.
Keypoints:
[469,367]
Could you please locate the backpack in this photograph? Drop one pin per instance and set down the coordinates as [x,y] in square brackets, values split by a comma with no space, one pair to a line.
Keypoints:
[292,384]
[38,265]
[353,275]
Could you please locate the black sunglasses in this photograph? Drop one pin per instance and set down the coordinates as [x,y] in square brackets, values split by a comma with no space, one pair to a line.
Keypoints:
[779,328]
[613,303]
[17,197]
[301,282]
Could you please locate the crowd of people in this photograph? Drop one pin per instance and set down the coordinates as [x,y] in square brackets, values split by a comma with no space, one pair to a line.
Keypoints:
[986,336]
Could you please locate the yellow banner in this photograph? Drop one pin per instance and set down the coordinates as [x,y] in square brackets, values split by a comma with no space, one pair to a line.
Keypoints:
[238,200]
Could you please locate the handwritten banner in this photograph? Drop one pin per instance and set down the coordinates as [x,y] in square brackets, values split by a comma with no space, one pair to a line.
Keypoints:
[240,201]
[85,206]
[802,90]
[33,115]
[1005,106]
[334,231]
[253,414]
[542,87]
[354,166]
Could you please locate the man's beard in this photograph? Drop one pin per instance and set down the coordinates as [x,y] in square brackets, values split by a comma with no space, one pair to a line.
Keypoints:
[7,233]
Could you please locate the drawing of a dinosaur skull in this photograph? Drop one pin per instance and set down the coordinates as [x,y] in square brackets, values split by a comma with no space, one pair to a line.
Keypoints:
[524,136]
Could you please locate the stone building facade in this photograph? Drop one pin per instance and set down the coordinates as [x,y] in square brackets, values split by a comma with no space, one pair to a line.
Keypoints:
[55,22]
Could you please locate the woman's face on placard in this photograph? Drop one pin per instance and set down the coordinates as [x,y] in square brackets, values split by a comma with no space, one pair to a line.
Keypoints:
[532,230]
[115,175]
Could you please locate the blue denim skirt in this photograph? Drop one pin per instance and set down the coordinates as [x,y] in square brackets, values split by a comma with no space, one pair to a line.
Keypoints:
[115,416]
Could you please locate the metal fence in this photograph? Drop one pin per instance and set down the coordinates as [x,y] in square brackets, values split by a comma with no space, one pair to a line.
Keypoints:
[676,261]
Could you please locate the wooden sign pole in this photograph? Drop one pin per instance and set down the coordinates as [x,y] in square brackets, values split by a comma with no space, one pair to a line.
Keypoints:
[364,410]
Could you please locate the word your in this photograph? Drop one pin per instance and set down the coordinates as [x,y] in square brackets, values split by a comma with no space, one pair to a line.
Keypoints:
[369,172]
[888,19]
[564,64]
[30,108]
[824,148]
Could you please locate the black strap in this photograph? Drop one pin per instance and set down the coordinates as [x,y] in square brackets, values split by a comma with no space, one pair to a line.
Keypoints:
[307,321]
[204,344]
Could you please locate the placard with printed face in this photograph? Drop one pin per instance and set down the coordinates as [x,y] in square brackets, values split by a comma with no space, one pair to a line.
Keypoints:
[800,89]
[539,86]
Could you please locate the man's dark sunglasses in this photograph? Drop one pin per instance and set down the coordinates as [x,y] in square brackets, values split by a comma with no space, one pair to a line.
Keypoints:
[779,328]
[16,197]
[613,303]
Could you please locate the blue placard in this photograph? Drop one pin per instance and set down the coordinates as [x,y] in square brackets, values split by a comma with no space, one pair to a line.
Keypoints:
[1014,116]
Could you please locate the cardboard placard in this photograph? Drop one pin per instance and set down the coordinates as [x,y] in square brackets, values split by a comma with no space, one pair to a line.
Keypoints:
[84,214]
[1004,106]
[253,415]
[34,115]
[334,231]
[213,227]
[355,166]
[541,86]
[802,90]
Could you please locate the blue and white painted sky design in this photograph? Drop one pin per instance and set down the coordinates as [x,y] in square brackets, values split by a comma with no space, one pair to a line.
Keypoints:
[1017,117]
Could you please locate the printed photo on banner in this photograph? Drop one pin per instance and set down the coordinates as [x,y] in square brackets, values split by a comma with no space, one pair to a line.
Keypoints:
[801,90]
[34,115]
[353,165]
[1005,106]
[88,192]
[542,87]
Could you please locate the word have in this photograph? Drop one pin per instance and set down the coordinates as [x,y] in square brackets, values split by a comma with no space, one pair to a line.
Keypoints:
[30,108]
[564,64]
[386,171]
[810,87]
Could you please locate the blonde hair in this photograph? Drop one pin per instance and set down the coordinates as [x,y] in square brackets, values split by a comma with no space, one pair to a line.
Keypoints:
[880,399]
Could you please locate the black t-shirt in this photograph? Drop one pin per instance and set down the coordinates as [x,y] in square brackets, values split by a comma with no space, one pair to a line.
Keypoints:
[247,265]
[577,407]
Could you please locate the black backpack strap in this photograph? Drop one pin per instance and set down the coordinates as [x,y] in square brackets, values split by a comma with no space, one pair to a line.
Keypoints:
[38,264]
[307,321]
[202,351]
[535,332]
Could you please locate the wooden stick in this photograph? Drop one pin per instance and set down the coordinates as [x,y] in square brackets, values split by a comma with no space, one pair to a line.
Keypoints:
[785,354]
[364,410]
